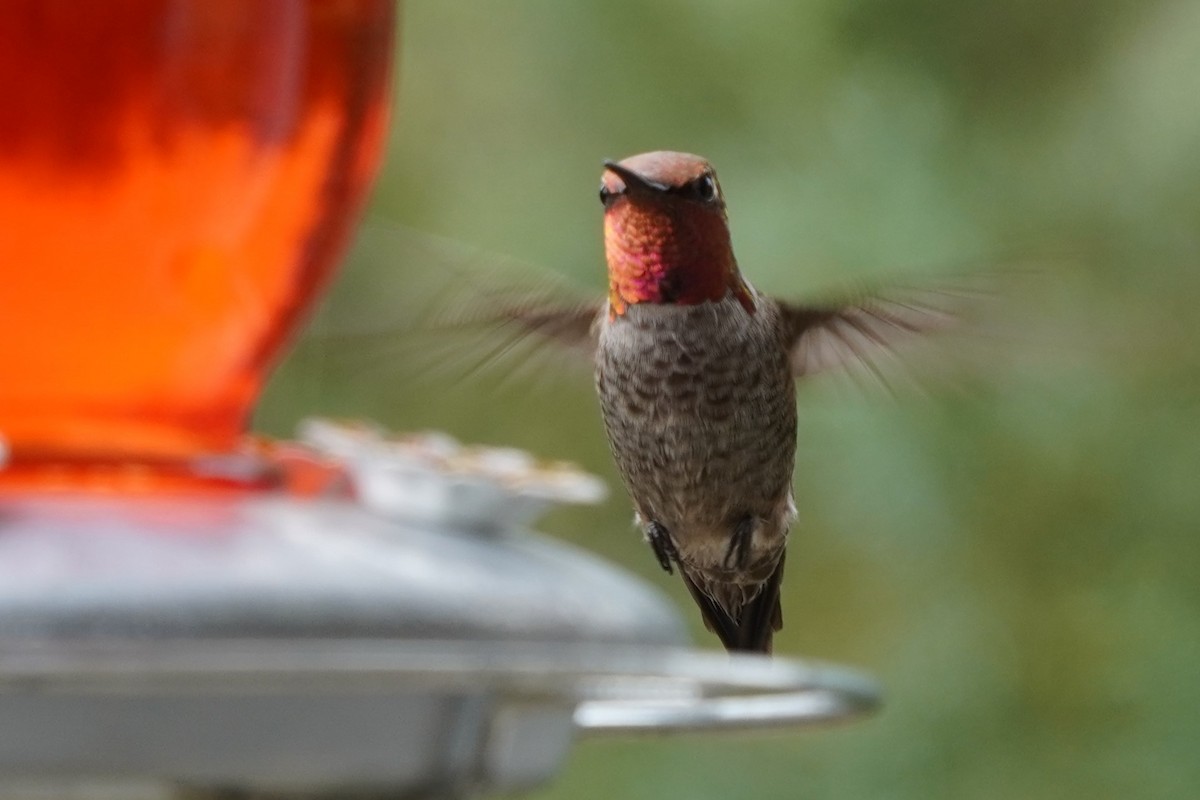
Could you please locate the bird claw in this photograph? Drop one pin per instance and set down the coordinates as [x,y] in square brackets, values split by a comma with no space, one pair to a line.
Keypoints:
[664,548]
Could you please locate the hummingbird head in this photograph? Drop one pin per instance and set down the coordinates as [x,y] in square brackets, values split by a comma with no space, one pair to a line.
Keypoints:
[666,236]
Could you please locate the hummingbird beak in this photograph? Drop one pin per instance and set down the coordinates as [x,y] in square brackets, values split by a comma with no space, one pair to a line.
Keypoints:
[632,180]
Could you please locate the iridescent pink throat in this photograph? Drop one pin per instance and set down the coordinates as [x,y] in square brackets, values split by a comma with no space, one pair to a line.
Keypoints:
[656,256]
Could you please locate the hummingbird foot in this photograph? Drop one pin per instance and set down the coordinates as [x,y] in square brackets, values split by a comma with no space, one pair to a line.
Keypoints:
[664,548]
[739,543]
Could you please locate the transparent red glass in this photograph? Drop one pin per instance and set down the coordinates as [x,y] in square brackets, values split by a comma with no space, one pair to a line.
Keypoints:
[178,180]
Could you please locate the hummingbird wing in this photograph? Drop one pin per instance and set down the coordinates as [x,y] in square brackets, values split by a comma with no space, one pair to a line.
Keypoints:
[426,307]
[521,335]
[573,326]
[869,329]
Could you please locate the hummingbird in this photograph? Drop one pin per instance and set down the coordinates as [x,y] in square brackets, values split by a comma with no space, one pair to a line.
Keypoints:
[696,375]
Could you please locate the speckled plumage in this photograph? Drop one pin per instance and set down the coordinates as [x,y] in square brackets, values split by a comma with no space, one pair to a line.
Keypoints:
[699,406]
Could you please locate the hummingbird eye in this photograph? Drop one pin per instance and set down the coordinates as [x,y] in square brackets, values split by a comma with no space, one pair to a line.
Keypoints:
[705,188]
[606,196]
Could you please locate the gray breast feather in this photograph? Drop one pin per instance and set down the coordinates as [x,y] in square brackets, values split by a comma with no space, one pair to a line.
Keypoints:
[699,407]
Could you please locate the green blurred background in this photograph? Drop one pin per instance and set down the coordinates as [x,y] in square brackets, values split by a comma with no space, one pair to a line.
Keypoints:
[1018,564]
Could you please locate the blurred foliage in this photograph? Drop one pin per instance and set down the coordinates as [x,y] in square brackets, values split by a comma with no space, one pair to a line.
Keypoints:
[1018,563]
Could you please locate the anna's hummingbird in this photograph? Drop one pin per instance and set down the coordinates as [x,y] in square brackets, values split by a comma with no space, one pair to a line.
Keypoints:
[696,373]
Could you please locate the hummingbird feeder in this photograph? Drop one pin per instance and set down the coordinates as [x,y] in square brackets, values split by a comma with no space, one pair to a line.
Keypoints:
[186,610]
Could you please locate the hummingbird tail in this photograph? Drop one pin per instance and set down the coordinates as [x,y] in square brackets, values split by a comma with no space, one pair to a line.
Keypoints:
[746,628]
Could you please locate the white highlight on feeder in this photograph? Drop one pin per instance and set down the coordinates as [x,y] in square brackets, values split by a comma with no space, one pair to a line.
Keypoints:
[432,478]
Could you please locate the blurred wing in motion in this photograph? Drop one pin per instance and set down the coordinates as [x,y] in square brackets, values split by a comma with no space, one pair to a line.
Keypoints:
[509,318]
[430,307]
[868,332]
